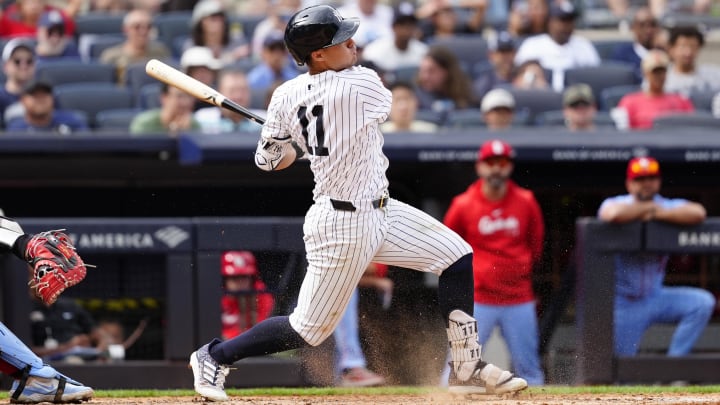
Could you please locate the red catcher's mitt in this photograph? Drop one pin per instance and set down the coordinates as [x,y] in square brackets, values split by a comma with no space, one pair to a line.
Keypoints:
[56,266]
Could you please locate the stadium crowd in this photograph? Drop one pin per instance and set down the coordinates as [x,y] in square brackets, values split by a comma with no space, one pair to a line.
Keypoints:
[451,54]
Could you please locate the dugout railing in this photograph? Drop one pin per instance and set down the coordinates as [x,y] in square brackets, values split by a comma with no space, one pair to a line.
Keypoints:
[597,242]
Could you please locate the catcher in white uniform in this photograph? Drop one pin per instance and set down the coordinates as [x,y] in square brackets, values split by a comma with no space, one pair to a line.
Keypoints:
[330,116]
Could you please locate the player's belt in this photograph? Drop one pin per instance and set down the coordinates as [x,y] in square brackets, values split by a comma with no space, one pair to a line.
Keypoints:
[348,206]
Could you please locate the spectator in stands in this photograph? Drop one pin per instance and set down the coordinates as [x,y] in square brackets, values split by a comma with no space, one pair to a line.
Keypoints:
[174,115]
[441,84]
[530,75]
[402,49]
[18,57]
[110,6]
[351,367]
[528,18]
[20,19]
[65,331]
[501,54]
[199,63]
[246,299]
[233,84]
[403,111]
[685,74]
[280,12]
[40,114]
[504,225]
[275,65]
[498,109]
[211,28]
[560,49]
[645,29]
[579,108]
[440,19]
[640,297]
[375,20]
[138,46]
[52,43]
[642,107]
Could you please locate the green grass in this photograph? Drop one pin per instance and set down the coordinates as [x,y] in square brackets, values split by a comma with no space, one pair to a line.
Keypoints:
[406,390]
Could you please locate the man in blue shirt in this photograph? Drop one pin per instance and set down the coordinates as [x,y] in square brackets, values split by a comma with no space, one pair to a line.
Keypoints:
[275,66]
[640,297]
[40,114]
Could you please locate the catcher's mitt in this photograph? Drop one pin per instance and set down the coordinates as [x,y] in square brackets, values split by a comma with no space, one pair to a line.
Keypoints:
[55,264]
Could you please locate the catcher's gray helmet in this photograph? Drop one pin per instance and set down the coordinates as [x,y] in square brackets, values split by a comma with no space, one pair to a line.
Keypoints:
[315,28]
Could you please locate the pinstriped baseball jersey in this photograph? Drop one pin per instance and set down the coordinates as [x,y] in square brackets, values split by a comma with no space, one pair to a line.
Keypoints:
[334,116]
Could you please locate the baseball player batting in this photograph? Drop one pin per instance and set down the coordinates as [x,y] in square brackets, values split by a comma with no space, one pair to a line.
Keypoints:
[330,116]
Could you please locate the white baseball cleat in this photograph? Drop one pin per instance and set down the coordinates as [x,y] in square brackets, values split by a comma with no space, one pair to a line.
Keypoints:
[487,379]
[209,375]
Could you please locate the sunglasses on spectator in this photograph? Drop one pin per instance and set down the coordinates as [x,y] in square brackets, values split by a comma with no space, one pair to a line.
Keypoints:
[500,161]
[56,31]
[21,61]
[579,104]
[647,23]
[141,26]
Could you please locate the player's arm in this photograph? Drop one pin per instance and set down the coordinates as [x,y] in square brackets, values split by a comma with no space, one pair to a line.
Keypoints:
[622,211]
[271,155]
[688,213]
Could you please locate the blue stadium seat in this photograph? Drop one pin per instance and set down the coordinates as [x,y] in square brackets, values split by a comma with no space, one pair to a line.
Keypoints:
[74,71]
[247,23]
[609,74]
[172,24]
[149,96]
[610,97]
[117,119]
[473,118]
[536,101]
[606,48]
[698,119]
[556,118]
[91,46]
[98,23]
[92,98]
[470,49]
[702,100]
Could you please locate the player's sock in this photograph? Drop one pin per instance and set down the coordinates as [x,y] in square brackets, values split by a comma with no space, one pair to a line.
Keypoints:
[455,288]
[272,335]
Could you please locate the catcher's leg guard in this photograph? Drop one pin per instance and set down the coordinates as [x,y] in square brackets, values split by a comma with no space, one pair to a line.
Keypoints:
[18,355]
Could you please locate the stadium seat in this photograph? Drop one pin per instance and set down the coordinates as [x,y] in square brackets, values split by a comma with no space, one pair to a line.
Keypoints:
[98,23]
[606,48]
[74,71]
[556,118]
[473,118]
[91,46]
[698,119]
[117,119]
[172,24]
[247,23]
[702,100]
[136,77]
[470,49]
[536,101]
[92,98]
[149,96]
[601,77]
[610,97]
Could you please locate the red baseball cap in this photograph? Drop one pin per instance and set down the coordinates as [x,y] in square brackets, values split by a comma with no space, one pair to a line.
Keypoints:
[643,167]
[238,263]
[495,148]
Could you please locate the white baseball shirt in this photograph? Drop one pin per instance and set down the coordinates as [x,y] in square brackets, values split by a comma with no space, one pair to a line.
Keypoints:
[335,117]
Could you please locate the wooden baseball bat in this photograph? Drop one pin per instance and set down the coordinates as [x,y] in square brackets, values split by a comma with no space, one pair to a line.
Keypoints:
[173,77]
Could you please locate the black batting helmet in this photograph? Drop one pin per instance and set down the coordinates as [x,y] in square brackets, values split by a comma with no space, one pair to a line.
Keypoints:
[315,28]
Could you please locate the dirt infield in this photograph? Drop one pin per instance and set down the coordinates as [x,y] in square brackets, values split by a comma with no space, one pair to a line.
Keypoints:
[436,399]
